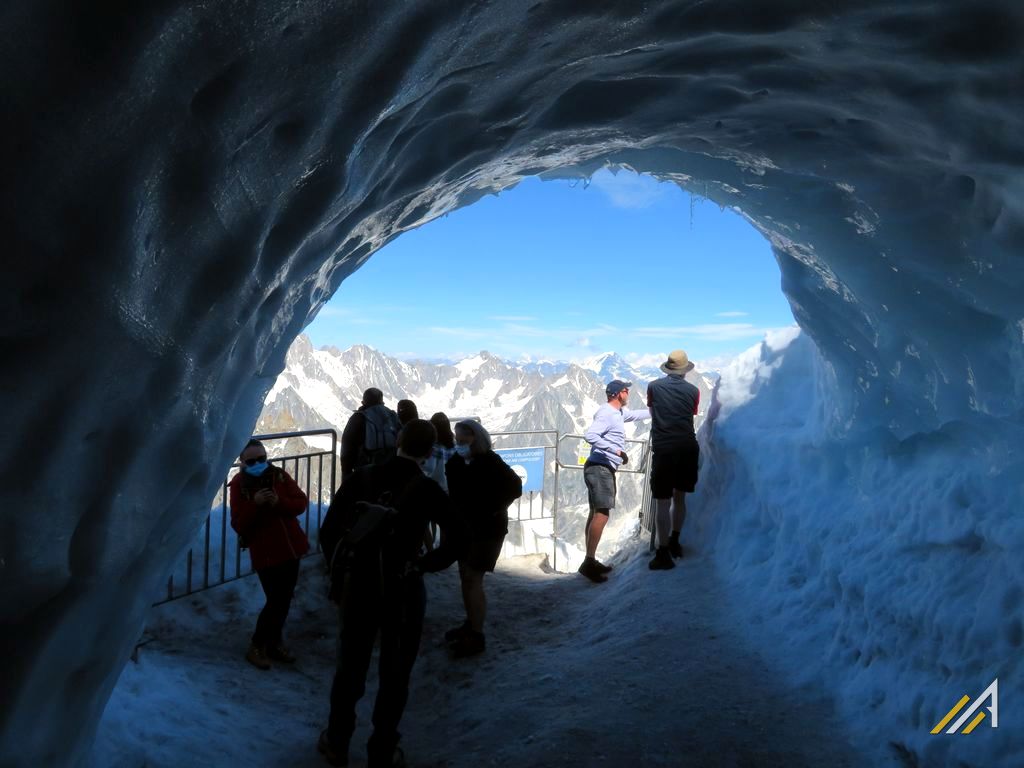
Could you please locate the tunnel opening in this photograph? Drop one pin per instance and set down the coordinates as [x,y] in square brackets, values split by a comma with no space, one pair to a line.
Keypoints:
[519,309]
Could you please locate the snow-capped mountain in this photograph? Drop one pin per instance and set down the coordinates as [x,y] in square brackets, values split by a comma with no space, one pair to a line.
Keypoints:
[322,387]
[610,365]
[544,367]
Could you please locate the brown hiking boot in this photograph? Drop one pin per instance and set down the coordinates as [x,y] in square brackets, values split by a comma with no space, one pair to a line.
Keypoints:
[334,754]
[280,653]
[469,644]
[257,656]
[593,571]
[455,633]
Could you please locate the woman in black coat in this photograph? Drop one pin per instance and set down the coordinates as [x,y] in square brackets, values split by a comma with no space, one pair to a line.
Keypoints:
[482,486]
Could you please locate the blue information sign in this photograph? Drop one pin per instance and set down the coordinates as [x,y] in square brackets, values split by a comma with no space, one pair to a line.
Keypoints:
[528,463]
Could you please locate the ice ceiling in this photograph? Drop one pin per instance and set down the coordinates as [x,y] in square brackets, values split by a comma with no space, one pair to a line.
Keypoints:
[185,183]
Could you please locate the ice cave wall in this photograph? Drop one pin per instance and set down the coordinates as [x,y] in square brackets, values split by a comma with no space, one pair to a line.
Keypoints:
[186,183]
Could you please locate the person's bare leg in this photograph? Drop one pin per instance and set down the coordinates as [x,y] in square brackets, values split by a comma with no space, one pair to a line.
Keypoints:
[595,527]
[678,510]
[473,598]
[663,520]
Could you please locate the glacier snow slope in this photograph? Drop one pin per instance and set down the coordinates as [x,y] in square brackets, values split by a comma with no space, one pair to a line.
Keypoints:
[890,567]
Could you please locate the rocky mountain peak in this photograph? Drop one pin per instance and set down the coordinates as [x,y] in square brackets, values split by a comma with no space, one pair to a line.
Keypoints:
[324,386]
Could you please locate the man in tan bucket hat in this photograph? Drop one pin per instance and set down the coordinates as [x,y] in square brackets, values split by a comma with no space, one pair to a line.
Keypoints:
[673,403]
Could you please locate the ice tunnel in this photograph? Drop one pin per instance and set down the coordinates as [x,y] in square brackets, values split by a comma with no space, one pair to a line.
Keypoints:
[186,183]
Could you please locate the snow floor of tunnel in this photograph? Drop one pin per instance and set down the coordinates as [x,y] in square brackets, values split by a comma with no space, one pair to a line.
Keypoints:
[646,669]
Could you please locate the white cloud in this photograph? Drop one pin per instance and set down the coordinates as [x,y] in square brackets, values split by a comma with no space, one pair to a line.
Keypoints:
[571,336]
[463,333]
[732,314]
[705,332]
[626,189]
[515,329]
[715,363]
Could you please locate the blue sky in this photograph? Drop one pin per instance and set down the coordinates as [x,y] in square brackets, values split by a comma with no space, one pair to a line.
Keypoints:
[559,270]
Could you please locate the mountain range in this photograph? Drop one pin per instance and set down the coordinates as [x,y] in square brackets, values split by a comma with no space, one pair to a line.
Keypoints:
[322,387]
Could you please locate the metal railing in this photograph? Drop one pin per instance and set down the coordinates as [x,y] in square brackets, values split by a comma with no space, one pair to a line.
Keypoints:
[302,471]
[221,540]
[641,467]
[553,516]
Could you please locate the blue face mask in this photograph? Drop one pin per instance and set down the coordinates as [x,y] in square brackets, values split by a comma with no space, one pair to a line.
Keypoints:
[463,450]
[257,469]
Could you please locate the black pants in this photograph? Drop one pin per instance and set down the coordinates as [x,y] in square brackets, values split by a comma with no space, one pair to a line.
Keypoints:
[278,582]
[396,612]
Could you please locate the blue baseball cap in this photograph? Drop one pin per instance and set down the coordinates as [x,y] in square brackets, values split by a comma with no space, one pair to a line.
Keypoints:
[615,386]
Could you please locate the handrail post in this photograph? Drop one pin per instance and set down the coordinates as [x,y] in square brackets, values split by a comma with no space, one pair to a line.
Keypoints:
[223,529]
[554,511]
[206,553]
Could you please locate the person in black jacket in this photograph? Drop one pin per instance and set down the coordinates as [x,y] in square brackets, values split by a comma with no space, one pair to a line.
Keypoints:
[481,486]
[382,590]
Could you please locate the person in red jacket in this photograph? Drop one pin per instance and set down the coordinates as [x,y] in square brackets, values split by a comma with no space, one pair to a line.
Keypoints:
[265,503]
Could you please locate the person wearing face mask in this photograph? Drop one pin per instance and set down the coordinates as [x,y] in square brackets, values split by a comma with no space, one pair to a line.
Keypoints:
[481,486]
[444,449]
[607,438]
[265,502]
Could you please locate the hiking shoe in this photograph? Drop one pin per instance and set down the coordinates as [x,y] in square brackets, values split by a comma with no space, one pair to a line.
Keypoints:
[468,644]
[456,632]
[280,653]
[335,755]
[674,547]
[604,567]
[662,560]
[257,656]
[394,760]
[592,570]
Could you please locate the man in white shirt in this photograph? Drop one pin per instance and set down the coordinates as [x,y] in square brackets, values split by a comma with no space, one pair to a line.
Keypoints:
[607,438]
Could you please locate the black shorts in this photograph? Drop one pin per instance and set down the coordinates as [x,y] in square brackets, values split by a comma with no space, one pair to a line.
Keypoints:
[482,554]
[674,468]
[600,480]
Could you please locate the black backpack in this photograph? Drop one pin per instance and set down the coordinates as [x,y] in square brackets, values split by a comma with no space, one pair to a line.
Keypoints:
[361,544]
[380,438]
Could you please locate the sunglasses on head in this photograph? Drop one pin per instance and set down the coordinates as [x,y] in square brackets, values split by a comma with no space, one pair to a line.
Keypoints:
[255,460]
